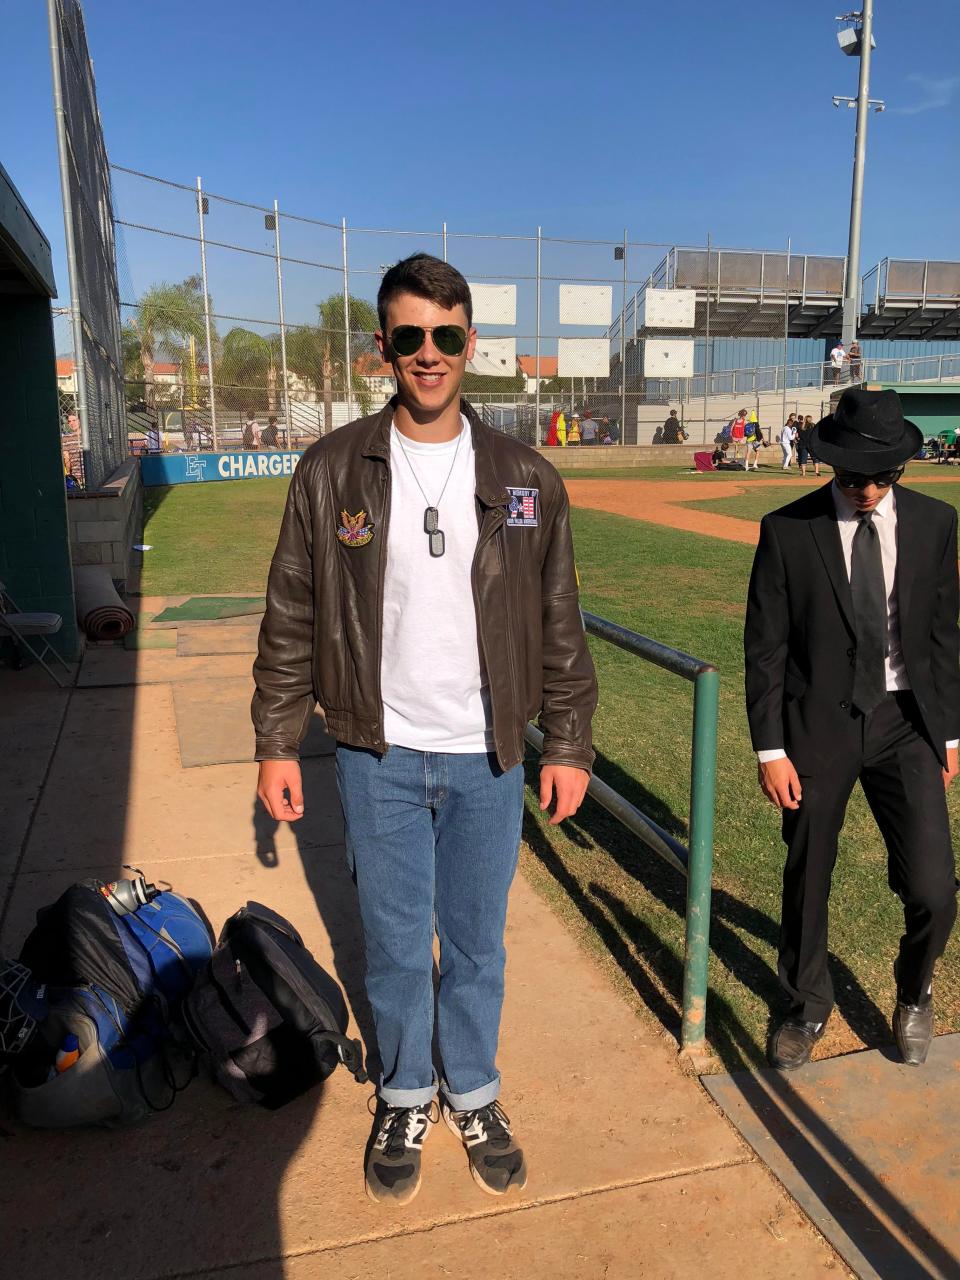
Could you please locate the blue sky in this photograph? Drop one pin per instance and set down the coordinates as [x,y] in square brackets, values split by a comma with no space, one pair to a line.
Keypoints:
[670,121]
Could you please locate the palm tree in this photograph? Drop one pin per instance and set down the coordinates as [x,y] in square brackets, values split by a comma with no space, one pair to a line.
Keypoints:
[318,353]
[249,362]
[168,315]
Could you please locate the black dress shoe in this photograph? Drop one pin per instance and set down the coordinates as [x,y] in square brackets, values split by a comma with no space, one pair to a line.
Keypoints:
[913,1031]
[792,1043]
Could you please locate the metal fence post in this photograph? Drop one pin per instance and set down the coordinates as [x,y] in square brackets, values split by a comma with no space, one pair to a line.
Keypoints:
[706,347]
[283,332]
[537,436]
[703,781]
[786,330]
[623,343]
[346,323]
[444,241]
[206,318]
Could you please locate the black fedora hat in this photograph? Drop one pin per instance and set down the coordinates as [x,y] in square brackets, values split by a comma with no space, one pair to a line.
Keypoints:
[867,433]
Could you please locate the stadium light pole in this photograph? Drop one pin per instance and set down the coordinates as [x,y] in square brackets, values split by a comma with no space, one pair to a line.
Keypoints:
[863,46]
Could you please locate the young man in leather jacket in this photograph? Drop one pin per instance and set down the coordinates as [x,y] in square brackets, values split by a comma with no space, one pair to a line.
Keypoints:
[423,591]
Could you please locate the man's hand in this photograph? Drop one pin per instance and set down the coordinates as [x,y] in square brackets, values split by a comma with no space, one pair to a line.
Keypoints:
[277,777]
[953,765]
[568,783]
[780,783]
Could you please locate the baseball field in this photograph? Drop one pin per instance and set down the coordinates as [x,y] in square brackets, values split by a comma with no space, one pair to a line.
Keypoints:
[667,554]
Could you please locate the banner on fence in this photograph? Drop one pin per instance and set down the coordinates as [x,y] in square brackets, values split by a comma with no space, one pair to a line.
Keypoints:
[194,468]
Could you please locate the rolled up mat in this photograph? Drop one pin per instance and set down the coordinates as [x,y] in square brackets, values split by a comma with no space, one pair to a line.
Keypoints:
[100,611]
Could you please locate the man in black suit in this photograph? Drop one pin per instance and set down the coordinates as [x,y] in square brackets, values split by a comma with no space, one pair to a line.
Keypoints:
[853,672]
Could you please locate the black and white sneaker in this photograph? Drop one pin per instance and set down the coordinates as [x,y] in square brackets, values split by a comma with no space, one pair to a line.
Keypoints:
[393,1160]
[496,1162]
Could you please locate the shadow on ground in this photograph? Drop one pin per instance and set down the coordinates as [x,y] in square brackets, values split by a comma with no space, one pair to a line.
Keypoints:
[653,970]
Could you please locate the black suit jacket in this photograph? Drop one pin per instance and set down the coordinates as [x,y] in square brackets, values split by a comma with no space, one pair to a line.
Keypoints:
[800,639]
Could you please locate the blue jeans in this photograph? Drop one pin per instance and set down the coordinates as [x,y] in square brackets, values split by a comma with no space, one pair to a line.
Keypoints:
[432,842]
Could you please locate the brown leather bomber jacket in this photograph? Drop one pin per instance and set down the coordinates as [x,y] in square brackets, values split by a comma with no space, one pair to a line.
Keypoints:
[321,636]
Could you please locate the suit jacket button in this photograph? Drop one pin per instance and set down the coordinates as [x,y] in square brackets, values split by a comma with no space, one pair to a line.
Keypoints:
[844,706]
[851,653]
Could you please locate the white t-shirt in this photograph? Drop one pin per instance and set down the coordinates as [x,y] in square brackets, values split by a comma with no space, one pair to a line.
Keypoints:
[788,434]
[837,357]
[431,679]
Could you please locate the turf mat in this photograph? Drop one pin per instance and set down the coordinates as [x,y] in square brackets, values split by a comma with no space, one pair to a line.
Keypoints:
[200,607]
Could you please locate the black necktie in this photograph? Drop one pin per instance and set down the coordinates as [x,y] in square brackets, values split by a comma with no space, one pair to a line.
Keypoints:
[870,613]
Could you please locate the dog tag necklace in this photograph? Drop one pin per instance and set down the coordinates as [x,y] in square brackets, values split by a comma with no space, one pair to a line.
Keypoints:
[431,515]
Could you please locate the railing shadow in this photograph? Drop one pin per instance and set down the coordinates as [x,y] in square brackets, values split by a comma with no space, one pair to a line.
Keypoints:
[734,922]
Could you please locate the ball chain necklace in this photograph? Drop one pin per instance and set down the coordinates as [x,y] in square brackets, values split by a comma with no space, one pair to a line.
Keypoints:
[431,516]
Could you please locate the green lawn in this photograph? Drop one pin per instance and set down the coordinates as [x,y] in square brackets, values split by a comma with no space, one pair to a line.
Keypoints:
[208,539]
[626,907]
[753,506]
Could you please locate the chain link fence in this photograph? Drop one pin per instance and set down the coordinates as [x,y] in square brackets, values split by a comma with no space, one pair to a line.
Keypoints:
[92,411]
[241,325]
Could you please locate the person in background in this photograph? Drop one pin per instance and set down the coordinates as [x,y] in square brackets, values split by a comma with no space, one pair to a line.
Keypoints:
[657,437]
[788,436]
[672,429]
[552,440]
[755,442]
[738,432]
[613,431]
[573,430]
[562,430]
[837,357]
[856,361]
[804,432]
[588,428]
[270,439]
[251,432]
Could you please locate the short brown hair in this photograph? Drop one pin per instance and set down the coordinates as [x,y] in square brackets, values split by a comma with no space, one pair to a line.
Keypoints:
[428,277]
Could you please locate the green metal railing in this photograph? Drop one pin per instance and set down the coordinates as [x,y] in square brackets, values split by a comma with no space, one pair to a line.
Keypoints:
[695,862]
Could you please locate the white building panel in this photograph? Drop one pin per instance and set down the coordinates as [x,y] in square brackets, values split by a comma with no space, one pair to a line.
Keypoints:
[667,309]
[494,303]
[668,358]
[583,358]
[497,357]
[586,304]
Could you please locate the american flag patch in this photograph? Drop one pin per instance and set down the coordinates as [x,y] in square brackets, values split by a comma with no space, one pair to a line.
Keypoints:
[523,507]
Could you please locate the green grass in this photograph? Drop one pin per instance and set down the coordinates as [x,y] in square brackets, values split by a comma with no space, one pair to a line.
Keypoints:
[620,901]
[755,505]
[211,538]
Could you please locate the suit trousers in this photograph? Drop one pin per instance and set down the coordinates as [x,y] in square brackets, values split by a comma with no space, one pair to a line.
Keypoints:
[902,780]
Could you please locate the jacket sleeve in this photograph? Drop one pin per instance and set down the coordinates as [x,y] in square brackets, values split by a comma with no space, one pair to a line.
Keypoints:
[283,671]
[765,634]
[569,679]
[945,635]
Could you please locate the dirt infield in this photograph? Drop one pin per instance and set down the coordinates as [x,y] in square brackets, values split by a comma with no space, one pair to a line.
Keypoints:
[657,501]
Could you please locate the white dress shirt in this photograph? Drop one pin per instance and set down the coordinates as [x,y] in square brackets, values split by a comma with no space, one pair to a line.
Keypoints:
[885,523]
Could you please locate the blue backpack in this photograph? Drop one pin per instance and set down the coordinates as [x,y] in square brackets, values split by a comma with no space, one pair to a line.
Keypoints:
[117,983]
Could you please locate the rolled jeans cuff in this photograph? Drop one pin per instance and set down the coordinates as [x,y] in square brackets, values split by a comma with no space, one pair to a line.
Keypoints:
[407,1097]
[476,1098]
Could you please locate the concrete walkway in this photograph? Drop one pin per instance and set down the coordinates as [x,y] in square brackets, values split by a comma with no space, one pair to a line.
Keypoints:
[634,1171]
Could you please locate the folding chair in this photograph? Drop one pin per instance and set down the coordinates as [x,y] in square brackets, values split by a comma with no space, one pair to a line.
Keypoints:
[18,626]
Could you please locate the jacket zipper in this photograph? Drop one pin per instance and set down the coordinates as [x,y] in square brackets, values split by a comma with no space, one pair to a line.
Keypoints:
[381,578]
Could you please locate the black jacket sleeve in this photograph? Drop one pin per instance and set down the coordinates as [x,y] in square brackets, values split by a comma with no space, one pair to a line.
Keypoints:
[945,634]
[765,634]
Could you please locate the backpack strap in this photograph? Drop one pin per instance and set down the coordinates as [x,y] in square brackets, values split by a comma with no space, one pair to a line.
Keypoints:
[350,1052]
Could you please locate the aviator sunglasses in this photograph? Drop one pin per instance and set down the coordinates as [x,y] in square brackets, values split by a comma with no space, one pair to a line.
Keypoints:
[449,339]
[853,480]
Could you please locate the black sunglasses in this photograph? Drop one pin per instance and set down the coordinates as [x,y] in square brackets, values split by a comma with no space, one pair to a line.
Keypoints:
[853,480]
[408,338]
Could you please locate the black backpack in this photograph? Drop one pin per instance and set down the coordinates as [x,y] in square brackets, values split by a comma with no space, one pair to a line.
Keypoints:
[268,1020]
